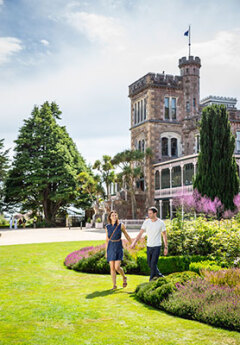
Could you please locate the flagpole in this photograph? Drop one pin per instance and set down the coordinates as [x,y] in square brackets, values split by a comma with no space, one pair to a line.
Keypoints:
[189,42]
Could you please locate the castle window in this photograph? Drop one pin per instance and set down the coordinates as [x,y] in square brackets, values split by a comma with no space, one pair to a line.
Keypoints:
[238,142]
[187,70]
[176,176]
[194,102]
[141,110]
[197,143]
[166,104]
[145,109]
[187,107]
[157,180]
[164,146]
[188,172]
[143,145]
[135,113]
[138,111]
[173,108]
[165,178]
[174,150]
[139,145]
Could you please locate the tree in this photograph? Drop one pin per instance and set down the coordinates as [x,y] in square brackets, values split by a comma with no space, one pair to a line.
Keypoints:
[131,164]
[217,174]
[46,164]
[91,186]
[3,170]
[107,172]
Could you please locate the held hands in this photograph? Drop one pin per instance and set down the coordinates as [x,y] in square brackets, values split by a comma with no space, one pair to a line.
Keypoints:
[133,244]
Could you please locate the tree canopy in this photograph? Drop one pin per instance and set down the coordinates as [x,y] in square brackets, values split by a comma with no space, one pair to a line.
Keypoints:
[43,176]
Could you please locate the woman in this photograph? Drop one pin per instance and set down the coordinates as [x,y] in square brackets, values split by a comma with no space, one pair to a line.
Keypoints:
[114,251]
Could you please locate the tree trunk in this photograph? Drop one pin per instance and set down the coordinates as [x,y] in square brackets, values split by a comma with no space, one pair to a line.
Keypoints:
[134,203]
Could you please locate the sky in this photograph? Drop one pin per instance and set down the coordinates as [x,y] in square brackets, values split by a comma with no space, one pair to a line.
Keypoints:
[84,54]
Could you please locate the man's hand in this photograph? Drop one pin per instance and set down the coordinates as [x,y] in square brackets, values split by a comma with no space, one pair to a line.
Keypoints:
[165,251]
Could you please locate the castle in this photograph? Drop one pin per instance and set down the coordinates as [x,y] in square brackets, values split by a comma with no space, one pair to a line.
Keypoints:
[165,113]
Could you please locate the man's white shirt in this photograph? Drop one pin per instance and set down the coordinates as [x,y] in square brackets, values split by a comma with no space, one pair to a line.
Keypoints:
[153,230]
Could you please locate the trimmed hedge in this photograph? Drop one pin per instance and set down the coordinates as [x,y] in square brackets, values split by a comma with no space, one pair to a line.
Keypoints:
[168,264]
[204,265]
[154,292]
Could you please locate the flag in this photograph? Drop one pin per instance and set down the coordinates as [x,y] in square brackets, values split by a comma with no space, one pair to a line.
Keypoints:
[186,33]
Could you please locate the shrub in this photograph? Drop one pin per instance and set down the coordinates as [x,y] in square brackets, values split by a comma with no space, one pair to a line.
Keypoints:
[204,265]
[227,277]
[167,264]
[200,300]
[155,292]
[98,220]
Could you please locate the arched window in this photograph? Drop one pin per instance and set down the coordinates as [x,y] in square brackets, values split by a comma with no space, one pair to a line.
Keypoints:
[174,151]
[164,146]
[139,145]
[157,180]
[143,145]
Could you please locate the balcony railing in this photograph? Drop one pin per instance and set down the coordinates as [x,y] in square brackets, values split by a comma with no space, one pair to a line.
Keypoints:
[171,192]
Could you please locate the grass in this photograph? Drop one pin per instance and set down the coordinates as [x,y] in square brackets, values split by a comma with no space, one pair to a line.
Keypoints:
[43,303]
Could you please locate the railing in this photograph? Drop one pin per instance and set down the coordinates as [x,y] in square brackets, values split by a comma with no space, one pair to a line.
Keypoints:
[169,192]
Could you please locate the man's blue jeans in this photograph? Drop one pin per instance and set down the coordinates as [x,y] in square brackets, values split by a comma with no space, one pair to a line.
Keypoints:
[152,259]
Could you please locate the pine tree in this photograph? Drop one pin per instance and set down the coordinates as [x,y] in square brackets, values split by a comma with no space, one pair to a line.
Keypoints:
[217,174]
[43,176]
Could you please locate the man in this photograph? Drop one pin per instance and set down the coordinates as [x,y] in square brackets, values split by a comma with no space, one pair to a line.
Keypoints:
[154,227]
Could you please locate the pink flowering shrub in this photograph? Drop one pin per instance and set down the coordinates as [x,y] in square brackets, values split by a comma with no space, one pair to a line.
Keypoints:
[195,202]
[200,300]
[78,255]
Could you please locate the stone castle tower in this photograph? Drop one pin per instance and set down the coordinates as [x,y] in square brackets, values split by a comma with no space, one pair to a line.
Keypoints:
[165,110]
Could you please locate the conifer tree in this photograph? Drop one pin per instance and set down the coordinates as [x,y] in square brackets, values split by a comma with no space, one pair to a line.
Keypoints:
[43,176]
[217,174]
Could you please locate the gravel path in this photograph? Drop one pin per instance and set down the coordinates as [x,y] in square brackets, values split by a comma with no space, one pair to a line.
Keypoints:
[22,236]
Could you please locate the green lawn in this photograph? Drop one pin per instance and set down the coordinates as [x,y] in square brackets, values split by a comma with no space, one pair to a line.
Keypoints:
[42,302]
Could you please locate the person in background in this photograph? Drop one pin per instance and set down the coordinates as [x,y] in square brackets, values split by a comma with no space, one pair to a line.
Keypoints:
[154,227]
[11,223]
[24,222]
[15,223]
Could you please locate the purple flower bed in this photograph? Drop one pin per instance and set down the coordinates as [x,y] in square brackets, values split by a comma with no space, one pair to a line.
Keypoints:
[78,255]
[200,300]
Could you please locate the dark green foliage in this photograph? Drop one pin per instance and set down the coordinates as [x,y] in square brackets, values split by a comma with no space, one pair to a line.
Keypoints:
[168,264]
[155,292]
[217,169]
[97,263]
[46,164]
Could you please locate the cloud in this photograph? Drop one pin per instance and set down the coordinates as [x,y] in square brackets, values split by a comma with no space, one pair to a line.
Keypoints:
[98,28]
[8,47]
[45,42]
[1,2]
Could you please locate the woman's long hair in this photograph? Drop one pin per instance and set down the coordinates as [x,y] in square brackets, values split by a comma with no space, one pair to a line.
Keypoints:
[109,217]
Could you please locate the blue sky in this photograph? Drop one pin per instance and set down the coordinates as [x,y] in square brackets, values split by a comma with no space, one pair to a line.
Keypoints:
[84,54]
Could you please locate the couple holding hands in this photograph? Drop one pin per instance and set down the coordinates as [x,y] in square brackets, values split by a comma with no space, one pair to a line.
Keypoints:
[153,226]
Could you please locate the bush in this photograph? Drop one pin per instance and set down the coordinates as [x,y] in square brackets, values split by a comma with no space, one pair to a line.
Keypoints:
[156,291]
[199,236]
[202,301]
[227,277]
[167,264]
[208,265]
[98,220]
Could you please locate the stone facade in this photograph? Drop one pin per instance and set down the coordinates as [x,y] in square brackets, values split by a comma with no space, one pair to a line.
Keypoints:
[165,113]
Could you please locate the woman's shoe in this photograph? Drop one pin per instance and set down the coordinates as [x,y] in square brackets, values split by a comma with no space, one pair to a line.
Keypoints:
[125,282]
[114,288]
